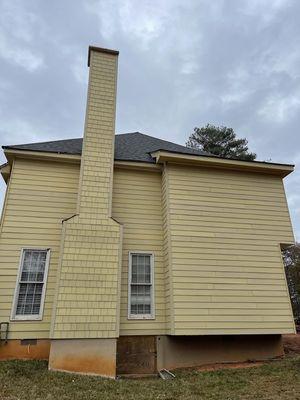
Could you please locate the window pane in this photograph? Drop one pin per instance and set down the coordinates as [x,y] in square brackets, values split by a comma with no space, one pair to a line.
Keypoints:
[33,268]
[134,309]
[141,290]
[141,268]
[31,282]
[147,273]
[134,259]
[29,300]
[134,274]
[140,299]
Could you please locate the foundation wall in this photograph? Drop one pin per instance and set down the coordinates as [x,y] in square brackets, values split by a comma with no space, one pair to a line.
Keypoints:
[136,355]
[142,354]
[26,349]
[188,351]
[85,356]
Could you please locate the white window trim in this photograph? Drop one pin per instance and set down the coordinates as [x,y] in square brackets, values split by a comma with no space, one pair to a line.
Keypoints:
[35,317]
[141,316]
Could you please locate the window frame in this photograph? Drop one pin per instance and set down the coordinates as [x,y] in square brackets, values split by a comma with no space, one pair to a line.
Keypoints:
[30,317]
[152,292]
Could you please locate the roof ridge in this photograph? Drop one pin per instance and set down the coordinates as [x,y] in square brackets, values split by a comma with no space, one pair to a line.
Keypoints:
[161,140]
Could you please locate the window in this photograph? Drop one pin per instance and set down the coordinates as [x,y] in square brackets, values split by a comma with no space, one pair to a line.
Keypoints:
[140,286]
[31,284]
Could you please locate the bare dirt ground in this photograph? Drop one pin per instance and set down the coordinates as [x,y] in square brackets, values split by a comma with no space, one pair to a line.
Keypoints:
[215,367]
[291,344]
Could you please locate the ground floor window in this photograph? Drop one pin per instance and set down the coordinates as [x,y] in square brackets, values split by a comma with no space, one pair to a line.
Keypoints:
[31,284]
[140,285]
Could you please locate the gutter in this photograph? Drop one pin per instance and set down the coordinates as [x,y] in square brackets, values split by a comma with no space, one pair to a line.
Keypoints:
[281,170]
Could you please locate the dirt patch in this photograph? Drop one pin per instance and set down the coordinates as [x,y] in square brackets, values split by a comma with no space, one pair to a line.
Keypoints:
[291,343]
[215,367]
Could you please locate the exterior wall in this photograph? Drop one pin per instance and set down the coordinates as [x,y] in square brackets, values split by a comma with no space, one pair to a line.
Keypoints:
[227,271]
[249,293]
[42,194]
[137,206]
[87,294]
[39,196]
[84,356]
[26,349]
[167,252]
[186,351]
[87,300]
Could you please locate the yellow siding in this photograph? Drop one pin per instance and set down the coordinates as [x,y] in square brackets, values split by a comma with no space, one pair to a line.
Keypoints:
[86,304]
[167,252]
[218,268]
[227,270]
[137,206]
[40,195]
[87,296]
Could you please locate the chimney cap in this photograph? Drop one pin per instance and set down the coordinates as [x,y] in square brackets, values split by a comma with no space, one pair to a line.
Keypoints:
[100,50]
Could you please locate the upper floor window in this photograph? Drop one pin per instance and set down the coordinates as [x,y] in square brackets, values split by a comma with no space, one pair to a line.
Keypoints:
[140,286]
[31,284]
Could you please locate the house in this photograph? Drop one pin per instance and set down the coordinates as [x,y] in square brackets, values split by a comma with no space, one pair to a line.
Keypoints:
[127,254]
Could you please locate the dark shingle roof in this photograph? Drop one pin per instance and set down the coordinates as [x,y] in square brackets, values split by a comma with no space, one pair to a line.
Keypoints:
[128,147]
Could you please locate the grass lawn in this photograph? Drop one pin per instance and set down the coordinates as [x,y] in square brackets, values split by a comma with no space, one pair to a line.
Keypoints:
[31,380]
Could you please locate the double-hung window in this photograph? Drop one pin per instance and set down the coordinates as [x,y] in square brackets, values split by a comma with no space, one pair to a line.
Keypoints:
[31,284]
[140,286]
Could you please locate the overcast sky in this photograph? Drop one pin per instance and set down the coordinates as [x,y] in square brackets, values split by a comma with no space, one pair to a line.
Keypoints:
[182,64]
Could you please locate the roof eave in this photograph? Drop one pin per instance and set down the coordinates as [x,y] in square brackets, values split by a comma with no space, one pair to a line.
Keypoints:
[11,153]
[281,170]
[5,170]
[137,165]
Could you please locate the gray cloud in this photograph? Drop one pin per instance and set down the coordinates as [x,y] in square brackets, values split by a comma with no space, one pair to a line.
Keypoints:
[182,64]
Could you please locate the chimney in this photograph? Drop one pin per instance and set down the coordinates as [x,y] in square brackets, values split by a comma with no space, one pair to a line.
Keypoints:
[95,190]
[85,318]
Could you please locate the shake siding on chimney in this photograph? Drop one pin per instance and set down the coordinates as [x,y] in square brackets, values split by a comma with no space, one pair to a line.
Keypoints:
[96,173]
[87,299]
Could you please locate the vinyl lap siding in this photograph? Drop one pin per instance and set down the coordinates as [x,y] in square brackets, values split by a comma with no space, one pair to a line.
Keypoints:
[137,206]
[226,264]
[167,252]
[218,268]
[40,195]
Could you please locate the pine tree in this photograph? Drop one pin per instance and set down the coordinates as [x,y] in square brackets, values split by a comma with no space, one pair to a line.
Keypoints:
[220,141]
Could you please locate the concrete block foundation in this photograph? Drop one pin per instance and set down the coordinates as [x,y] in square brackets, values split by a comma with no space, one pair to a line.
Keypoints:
[25,349]
[85,356]
[134,355]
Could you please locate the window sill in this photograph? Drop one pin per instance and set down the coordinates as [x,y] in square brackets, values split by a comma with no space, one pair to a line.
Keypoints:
[140,317]
[26,318]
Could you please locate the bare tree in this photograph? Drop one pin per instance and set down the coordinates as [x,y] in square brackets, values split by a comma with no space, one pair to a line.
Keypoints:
[291,259]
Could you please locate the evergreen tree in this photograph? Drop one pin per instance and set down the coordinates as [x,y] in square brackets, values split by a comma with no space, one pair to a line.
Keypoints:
[220,141]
